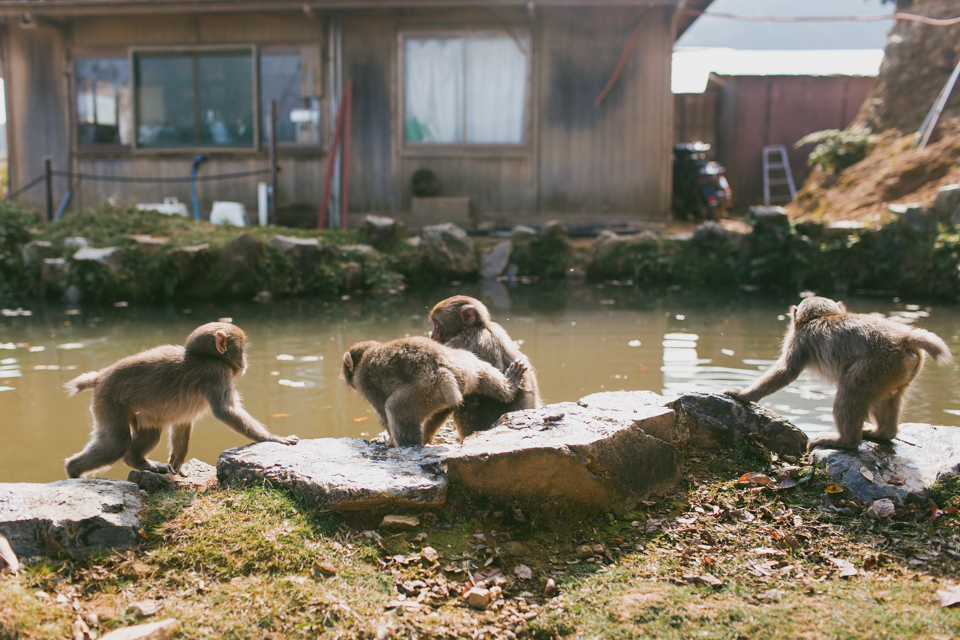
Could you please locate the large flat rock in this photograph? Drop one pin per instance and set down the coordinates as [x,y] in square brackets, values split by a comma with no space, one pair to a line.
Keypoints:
[921,454]
[346,474]
[75,518]
[586,456]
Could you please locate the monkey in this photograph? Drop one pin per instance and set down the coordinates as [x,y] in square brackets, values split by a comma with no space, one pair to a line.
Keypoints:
[411,380]
[135,398]
[463,322]
[870,358]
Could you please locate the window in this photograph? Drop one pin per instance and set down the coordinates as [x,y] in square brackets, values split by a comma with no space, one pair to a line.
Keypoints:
[292,78]
[200,99]
[469,89]
[103,101]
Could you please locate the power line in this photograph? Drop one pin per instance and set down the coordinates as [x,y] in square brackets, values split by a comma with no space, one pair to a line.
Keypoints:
[909,17]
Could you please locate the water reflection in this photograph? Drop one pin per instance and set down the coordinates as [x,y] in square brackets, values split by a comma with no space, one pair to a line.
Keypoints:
[581,340]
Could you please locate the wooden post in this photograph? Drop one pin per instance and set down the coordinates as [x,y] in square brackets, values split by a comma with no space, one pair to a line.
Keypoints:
[331,161]
[48,176]
[345,156]
[273,162]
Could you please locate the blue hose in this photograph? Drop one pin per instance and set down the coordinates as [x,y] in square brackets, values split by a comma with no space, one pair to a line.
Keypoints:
[193,185]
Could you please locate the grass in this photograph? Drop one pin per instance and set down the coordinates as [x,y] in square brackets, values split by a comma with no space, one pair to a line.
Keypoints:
[717,559]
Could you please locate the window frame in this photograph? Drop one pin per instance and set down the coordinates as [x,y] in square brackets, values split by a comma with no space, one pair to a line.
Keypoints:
[193,49]
[74,120]
[483,149]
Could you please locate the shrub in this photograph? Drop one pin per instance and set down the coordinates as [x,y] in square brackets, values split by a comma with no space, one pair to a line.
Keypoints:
[836,150]
[15,222]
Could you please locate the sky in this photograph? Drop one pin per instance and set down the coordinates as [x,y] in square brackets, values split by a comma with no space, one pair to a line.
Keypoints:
[717,32]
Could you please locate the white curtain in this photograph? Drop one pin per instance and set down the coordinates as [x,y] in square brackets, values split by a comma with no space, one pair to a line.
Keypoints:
[433,73]
[496,90]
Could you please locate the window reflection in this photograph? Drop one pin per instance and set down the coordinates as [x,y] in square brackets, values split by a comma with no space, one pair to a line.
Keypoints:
[103,101]
[289,78]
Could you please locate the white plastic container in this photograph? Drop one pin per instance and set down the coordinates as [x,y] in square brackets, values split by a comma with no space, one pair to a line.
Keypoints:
[169,206]
[228,213]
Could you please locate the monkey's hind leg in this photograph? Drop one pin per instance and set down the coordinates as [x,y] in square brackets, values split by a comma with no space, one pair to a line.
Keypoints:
[850,409]
[433,424]
[110,442]
[886,414]
[179,445]
[405,416]
[145,440]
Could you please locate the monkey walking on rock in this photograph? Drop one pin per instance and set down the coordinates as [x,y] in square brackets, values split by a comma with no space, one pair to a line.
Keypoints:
[135,398]
[462,322]
[413,382]
[870,358]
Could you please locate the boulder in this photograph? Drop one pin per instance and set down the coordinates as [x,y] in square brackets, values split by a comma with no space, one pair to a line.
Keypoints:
[76,241]
[353,276]
[947,202]
[604,245]
[914,215]
[148,245]
[921,454]
[198,476]
[302,252]
[844,228]
[709,231]
[380,231]
[110,257]
[53,271]
[75,518]
[636,405]
[34,251]
[768,218]
[494,262]
[715,420]
[238,260]
[554,229]
[521,234]
[187,260]
[573,454]
[162,630]
[358,250]
[448,250]
[343,474]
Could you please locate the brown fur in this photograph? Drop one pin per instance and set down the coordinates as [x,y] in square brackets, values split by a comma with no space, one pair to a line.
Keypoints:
[135,398]
[462,322]
[411,380]
[870,358]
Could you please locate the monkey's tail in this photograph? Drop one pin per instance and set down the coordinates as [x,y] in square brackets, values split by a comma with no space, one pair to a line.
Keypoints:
[932,344]
[82,382]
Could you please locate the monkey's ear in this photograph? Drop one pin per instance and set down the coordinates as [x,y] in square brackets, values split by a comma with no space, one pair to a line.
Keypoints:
[348,360]
[468,314]
[221,341]
[793,312]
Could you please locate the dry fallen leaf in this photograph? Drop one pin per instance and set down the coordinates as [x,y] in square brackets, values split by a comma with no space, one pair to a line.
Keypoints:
[279,415]
[847,569]
[361,418]
[8,556]
[834,488]
[896,480]
[950,596]
[866,473]
[880,508]
[523,572]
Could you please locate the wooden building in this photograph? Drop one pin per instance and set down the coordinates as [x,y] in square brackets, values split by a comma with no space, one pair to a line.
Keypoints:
[497,98]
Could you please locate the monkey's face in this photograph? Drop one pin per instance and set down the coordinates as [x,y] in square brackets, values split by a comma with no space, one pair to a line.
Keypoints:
[455,314]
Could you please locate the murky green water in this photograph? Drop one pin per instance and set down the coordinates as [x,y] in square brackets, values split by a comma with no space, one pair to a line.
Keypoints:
[581,340]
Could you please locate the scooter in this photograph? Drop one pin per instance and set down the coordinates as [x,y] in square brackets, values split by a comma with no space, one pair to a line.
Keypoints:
[700,187]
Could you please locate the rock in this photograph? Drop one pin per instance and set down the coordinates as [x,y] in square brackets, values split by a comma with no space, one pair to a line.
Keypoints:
[494,262]
[554,229]
[947,202]
[148,245]
[521,234]
[809,228]
[716,420]
[914,215]
[415,241]
[380,231]
[75,518]
[146,608]
[635,405]
[53,271]
[238,260]
[844,228]
[162,630]
[399,523]
[187,260]
[709,231]
[550,589]
[344,474]
[604,245]
[570,453]
[302,252]
[430,554]
[478,597]
[516,548]
[110,257]
[448,250]
[922,454]
[76,241]
[353,276]
[584,551]
[34,251]
[200,476]
[363,250]
[769,217]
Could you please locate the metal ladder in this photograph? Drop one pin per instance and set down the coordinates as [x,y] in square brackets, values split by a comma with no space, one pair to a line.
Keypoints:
[771,164]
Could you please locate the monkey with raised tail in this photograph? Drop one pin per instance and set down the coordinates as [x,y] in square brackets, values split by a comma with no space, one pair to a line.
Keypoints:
[413,382]
[870,358]
[136,398]
[463,322]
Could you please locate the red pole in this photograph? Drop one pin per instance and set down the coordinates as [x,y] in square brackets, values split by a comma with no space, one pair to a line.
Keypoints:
[331,161]
[348,97]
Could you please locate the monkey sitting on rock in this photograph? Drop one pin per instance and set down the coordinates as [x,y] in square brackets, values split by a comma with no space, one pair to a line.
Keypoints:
[413,383]
[462,322]
[870,358]
[135,398]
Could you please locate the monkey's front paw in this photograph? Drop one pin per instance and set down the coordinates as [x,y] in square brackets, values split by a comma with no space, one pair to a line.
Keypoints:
[162,467]
[515,371]
[736,394]
[287,440]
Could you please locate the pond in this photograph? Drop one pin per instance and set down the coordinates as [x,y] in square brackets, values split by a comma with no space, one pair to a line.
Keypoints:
[581,339]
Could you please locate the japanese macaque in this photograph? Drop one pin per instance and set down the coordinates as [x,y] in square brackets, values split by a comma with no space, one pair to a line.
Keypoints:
[871,359]
[410,381]
[462,322]
[135,398]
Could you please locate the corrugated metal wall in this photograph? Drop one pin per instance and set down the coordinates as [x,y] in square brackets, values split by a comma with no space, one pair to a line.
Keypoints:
[696,118]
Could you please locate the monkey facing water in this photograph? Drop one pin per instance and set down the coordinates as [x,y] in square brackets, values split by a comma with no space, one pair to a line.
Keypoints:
[413,383]
[135,398]
[462,322]
[870,358]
